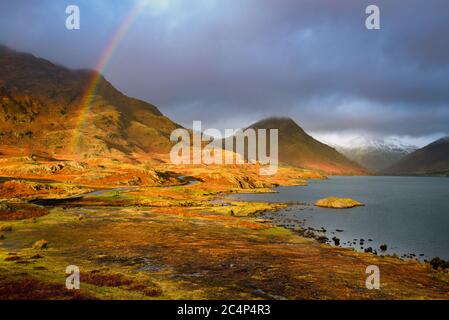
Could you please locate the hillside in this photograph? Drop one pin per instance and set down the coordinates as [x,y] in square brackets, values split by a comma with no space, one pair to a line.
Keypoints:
[299,149]
[42,111]
[433,159]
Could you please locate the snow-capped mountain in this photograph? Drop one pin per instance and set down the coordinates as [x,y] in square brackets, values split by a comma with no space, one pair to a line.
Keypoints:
[375,154]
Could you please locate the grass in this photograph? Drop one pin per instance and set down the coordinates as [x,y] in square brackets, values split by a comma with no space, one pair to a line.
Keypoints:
[176,243]
[21,212]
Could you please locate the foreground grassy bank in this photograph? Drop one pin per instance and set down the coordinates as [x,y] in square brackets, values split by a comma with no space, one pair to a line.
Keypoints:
[178,242]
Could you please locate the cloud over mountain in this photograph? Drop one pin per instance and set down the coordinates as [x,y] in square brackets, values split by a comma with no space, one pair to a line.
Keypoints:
[212,60]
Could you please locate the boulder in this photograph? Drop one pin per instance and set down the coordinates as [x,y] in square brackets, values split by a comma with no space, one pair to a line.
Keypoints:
[41,244]
[6,228]
[336,241]
[439,264]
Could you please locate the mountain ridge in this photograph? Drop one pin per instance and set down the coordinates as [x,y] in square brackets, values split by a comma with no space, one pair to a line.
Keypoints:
[42,111]
[297,148]
[375,154]
[432,159]
[41,108]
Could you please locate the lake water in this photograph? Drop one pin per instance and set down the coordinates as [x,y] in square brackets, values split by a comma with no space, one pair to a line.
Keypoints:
[409,214]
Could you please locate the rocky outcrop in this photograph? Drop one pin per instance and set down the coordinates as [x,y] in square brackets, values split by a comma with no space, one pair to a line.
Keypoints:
[338,203]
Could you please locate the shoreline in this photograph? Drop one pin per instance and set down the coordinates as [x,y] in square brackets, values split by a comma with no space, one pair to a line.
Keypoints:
[321,235]
[176,243]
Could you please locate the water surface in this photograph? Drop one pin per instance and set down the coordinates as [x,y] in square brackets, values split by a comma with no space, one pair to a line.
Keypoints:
[409,214]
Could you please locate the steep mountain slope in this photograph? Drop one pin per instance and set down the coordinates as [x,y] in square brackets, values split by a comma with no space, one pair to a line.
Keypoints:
[433,159]
[42,110]
[375,154]
[297,148]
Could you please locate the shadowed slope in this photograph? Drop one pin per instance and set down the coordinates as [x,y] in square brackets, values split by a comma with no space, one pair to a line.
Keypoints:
[297,148]
[433,159]
[41,110]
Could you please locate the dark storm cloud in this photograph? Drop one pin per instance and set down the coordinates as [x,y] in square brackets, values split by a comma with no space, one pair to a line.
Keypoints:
[232,62]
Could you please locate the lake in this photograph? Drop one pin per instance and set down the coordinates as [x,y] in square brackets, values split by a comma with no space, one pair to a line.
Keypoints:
[409,214]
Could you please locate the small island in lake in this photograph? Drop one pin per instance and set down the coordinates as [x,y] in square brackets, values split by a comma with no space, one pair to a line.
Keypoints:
[338,203]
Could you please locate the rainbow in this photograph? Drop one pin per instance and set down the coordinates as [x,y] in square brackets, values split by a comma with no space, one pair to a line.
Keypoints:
[92,84]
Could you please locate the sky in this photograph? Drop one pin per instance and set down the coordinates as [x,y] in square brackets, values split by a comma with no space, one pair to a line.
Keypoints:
[230,63]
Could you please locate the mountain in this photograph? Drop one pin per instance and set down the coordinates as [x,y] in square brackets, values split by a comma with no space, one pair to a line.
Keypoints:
[433,159]
[375,154]
[42,110]
[299,149]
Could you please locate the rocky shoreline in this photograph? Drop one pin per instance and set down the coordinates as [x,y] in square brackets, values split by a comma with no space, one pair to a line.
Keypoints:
[319,235]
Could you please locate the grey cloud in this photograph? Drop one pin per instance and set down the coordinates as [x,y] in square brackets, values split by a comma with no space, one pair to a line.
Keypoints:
[233,62]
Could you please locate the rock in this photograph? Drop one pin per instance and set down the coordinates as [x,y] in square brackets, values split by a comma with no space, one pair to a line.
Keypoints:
[55,168]
[39,268]
[383,247]
[4,207]
[322,239]
[41,244]
[338,203]
[439,264]
[308,234]
[13,258]
[6,228]
[81,217]
[336,241]
[135,181]
[369,250]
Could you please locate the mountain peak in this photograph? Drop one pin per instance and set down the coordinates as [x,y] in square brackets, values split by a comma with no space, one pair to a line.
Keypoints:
[298,148]
[275,122]
[376,154]
[444,140]
[286,126]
